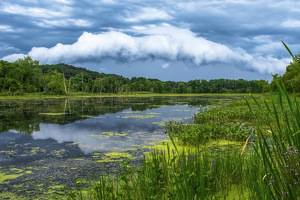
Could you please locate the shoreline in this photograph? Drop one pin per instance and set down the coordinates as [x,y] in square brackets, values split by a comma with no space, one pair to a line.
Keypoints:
[87,95]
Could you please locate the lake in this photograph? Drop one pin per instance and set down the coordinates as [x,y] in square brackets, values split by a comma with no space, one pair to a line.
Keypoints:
[48,143]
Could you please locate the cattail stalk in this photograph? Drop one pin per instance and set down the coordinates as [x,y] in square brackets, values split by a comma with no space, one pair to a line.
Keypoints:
[245,146]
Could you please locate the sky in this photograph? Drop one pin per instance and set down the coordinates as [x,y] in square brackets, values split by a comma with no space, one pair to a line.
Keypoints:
[178,40]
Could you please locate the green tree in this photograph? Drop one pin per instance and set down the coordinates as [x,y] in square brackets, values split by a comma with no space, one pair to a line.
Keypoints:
[53,83]
[181,87]
[21,76]
[204,87]
[29,74]
[157,86]
[194,86]
[98,85]
[291,77]
[241,86]
[167,87]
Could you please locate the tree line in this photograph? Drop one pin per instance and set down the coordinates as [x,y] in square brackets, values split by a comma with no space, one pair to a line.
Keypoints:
[27,76]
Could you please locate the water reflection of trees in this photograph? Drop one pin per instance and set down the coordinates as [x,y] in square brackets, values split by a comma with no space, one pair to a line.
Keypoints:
[25,116]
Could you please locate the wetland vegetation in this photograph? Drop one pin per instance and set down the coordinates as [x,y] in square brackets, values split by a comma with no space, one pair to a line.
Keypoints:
[263,165]
[189,147]
[225,147]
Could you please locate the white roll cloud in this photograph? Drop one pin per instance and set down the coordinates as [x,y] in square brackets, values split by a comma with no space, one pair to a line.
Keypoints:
[153,42]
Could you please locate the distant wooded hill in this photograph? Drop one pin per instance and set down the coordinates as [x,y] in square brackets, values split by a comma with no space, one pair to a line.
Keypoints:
[69,71]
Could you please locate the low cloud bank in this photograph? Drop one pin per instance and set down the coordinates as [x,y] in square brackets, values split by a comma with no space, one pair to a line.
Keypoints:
[153,42]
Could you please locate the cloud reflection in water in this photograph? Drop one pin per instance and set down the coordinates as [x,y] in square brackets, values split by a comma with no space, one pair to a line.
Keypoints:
[101,133]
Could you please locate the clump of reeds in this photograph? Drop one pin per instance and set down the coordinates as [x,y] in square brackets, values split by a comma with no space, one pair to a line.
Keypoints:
[279,150]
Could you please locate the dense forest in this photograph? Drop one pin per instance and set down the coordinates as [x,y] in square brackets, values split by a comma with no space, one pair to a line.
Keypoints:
[27,76]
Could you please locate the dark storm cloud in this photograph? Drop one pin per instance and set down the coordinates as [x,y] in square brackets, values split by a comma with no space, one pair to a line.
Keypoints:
[234,21]
[245,33]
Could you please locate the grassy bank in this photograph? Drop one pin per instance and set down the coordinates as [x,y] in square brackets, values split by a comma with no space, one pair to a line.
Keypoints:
[88,95]
[266,168]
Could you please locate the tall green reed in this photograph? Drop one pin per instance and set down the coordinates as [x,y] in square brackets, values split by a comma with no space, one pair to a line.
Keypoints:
[279,152]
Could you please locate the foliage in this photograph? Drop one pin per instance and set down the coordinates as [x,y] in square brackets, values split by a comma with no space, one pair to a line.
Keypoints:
[27,76]
[291,77]
[53,83]
[20,76]
[226,86]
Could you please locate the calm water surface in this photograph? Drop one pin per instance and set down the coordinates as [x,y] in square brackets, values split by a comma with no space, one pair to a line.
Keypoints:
[52,142]
[94,125]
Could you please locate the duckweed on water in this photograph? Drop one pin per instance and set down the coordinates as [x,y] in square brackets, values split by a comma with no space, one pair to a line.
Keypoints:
[97,136]
[11,195]
[58,153]
[55,187]
[131,149]
[119,155]
[106,160]
[213,145]
[16,170]
[121,134]
[153,113]
[108,133]
[115,157]
[139,116]
[161,124]
[6,177]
